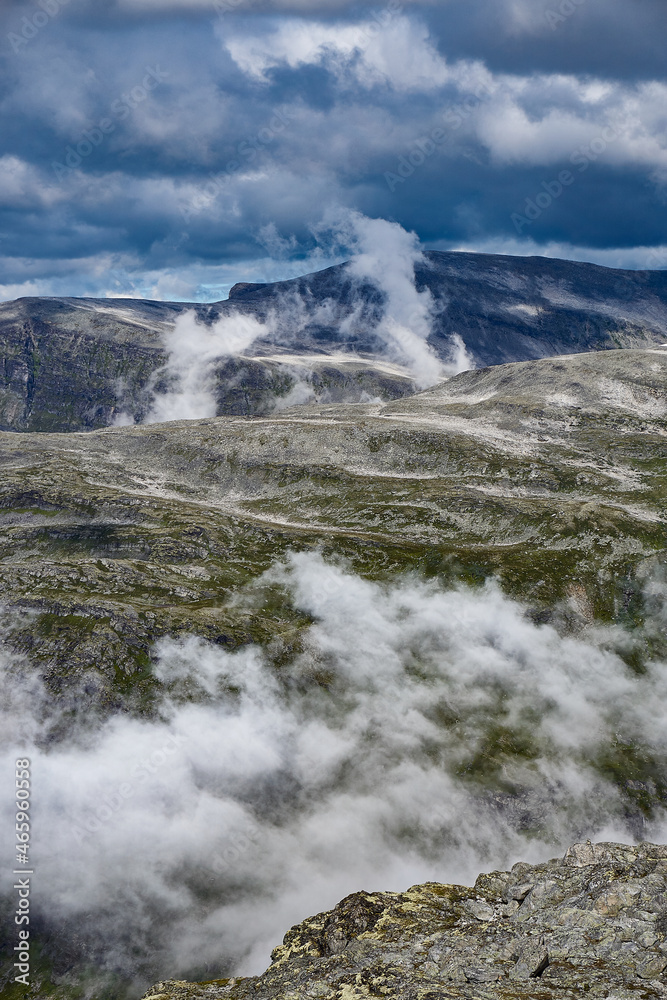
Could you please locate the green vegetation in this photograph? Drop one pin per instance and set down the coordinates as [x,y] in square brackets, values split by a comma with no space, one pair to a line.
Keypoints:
[114,539]
[119,537]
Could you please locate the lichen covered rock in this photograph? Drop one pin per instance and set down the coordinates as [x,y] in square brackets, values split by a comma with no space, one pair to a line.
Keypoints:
[592,923]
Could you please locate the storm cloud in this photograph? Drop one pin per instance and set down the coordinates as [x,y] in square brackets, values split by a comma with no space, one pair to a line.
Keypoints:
[148,144]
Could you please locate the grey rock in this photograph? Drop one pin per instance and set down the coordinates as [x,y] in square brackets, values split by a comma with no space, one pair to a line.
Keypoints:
[587,938]
[532,960]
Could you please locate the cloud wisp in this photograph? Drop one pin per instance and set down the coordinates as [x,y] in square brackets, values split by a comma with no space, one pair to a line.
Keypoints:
[400,324]
[193,348]
[388,49]
[387,256]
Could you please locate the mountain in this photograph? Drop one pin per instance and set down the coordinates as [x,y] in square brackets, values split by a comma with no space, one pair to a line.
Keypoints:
[80,364]
[548,475]
[380,638]
[504,308]
[468,648]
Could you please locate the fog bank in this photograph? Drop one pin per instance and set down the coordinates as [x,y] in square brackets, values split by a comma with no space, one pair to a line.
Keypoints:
[419,733]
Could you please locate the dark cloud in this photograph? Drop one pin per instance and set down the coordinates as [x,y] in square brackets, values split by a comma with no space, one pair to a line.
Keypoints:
[154,141]
[608,38]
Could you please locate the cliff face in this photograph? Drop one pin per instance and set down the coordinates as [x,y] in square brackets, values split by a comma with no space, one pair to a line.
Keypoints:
[68,364]
[593,923]
[76,364]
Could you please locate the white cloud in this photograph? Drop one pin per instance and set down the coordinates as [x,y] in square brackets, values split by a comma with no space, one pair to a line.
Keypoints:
[387,256]
[384,255]
[22,186]
[193,347]
[263,795]
[535,119]
[544,120]
[398,53]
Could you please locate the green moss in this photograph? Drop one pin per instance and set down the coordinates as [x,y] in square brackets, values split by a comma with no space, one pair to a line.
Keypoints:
[500,746]
[50,625]
[640,776]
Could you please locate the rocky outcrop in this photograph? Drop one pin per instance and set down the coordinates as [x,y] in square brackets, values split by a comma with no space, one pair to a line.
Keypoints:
[593,923]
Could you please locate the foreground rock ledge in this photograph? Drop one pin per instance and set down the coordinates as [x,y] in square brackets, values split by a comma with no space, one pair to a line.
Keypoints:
[593,924]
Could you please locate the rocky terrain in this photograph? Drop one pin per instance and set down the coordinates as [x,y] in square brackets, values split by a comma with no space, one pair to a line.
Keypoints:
[593,923]
[543,473]
[80,364]
[549,475]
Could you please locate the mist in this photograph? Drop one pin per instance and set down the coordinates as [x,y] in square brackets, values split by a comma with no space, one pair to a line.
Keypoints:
[387,256]
[193,348]
[415,733]
[384,256]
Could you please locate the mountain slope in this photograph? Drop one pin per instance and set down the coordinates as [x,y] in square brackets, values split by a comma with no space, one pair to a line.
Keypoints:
[149,591]
[504,308]
[77,364]
[549,474]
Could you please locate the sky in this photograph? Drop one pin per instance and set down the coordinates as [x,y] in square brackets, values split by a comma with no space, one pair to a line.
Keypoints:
[169,148]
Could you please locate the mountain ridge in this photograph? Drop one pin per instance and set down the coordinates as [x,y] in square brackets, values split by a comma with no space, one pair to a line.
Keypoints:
[78,364]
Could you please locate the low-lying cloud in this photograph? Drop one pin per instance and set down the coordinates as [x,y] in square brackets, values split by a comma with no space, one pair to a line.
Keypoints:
[193,348]
[384,257]
[416,733]
[387,257]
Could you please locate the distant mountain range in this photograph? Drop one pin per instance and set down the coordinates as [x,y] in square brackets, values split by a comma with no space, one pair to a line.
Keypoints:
[78,363]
